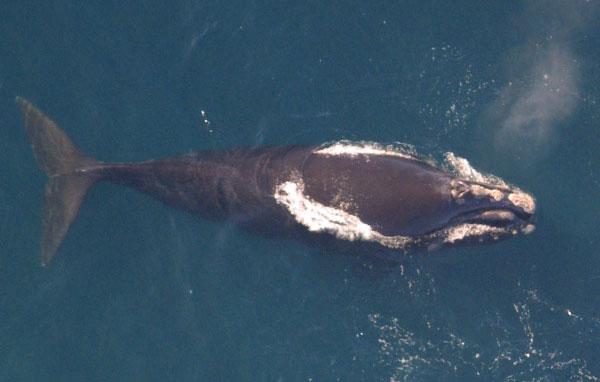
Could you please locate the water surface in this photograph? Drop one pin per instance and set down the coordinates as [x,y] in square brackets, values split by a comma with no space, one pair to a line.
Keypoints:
[141,291]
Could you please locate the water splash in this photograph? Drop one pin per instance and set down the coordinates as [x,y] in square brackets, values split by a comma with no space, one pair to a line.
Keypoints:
[521,352]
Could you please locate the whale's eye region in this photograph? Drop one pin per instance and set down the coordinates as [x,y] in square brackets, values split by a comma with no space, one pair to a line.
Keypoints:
[492,205]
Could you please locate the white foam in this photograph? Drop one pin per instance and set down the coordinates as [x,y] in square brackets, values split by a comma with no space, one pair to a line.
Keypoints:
[455,164]
[365,148]
[463,169]
[317,217]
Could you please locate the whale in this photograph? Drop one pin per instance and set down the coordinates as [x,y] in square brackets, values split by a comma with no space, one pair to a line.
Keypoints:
[364,192]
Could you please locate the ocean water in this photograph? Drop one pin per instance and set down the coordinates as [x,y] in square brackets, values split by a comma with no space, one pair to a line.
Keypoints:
[143,292]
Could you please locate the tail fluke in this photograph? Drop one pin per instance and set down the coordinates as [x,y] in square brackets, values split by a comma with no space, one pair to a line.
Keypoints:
[63,197]
[70,171]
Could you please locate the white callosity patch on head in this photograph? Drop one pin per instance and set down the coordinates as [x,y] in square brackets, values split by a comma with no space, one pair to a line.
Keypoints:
[463,169]
[480,191]
[460,189]
[523,200]
[317,217]
[365,148]
[529,228]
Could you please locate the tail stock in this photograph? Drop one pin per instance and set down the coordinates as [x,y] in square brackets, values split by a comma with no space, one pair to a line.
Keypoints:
[70,171]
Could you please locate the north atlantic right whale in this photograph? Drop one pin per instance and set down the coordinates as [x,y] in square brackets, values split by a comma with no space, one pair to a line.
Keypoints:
[352,191]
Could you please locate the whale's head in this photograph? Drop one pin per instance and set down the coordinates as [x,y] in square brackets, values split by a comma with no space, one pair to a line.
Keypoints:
[368,193]
[483,212]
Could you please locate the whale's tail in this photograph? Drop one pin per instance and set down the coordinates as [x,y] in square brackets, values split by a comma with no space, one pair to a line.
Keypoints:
[70,171]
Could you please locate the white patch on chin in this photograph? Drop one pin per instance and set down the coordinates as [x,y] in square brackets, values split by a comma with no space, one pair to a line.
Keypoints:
[465,231]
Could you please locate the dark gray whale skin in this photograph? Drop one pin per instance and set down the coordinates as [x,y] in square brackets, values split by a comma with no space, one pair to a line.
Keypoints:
[394,195]
[233,184]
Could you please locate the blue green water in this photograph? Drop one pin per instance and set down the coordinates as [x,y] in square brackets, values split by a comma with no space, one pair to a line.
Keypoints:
[143,292]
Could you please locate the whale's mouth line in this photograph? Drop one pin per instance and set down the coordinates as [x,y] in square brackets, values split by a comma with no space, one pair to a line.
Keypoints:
[483,225]
[500,217]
